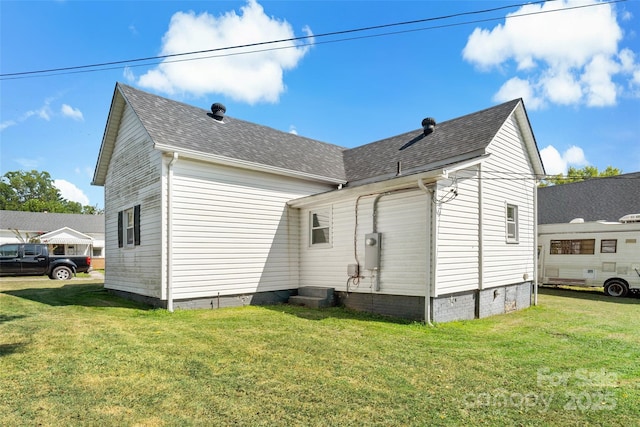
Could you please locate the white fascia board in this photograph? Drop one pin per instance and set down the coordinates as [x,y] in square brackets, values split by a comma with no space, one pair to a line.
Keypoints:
[399,183]
[244,164]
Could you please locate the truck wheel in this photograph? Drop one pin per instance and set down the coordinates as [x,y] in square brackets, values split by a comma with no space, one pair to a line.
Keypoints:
[616,288]
[61,273]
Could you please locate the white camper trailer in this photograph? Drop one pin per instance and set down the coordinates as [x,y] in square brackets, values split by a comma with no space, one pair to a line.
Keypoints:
[596,253]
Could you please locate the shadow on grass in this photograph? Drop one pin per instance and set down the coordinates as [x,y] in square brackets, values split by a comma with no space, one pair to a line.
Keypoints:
[7,349]
[335,313]
[82,294]
[588,294]
[8,318]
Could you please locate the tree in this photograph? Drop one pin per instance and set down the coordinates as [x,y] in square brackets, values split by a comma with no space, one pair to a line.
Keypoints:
[575,175]
[35,192]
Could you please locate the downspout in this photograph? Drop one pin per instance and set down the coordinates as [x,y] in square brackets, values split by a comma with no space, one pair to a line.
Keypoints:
[535,242]
[427,291]
[174,159]
[480,230]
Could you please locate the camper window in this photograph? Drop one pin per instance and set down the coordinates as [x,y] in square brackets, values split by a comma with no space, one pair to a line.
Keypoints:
[573,247]
[608,246]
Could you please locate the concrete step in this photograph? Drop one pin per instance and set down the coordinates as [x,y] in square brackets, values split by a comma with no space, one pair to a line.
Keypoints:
[311,302]
[316,291]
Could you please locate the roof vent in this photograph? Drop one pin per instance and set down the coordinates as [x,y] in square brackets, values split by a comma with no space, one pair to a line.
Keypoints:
[217,111]
[428,125]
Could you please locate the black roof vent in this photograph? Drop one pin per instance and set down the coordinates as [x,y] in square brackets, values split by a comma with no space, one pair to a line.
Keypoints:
[428,125]
[217,111]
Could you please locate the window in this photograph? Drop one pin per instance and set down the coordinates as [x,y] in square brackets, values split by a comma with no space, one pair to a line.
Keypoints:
[32,250]
[9,250]
[573,247]
[608,246]
[320,222]
[512,224]
[129,227]
[128,224]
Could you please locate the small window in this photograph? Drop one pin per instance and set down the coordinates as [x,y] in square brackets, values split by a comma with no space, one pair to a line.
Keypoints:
[608,246]
[129,227]
[512,224]
[320,227]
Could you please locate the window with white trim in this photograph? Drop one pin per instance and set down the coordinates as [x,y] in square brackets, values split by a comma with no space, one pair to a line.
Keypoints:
[512,223]
[129,227]
[320,227]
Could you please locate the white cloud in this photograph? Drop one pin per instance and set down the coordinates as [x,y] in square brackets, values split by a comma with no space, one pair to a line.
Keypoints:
[518,88]
[567,57]
[44,112]
[70,192]
[252,78]
[72,113]
[29,164]
[7,124]
[293,130]
[128,74]
[556,163]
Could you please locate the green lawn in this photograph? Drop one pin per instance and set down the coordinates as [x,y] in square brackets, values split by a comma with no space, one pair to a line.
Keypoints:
[72,354]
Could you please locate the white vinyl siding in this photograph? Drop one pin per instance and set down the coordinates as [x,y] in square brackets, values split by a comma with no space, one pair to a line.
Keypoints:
[402,220]
[134,178]
[507,178]
[457,229]
[232,231]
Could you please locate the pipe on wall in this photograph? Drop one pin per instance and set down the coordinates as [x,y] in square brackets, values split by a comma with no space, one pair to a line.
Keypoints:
[174,159]
[427,292]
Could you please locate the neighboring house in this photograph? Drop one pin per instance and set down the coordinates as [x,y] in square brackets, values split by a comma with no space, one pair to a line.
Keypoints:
[594,199]
[204,210]
[66,234]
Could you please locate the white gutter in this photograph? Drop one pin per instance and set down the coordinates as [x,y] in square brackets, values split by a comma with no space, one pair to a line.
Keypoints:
[399,183]
[245,164]
[174,159]
[427,292]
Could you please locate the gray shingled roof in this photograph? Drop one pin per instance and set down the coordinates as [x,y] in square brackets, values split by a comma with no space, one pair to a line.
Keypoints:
[175,124]
[46,222]
[453,140]
[607,198]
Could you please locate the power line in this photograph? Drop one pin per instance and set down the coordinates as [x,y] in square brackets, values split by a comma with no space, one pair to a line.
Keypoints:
[117,64]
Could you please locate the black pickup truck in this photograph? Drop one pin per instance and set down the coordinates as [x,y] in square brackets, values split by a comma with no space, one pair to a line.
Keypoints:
[33,259]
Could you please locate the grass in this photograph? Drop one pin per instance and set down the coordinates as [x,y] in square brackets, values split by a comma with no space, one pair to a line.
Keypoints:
[73,354]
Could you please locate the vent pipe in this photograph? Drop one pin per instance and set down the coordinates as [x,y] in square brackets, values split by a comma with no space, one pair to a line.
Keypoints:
[217,111]
[428,125]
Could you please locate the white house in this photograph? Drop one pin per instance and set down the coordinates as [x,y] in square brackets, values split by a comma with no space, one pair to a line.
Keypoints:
[205,210]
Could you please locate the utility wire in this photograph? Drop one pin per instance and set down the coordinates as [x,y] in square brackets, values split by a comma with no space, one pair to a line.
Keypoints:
[334,33]
[104,65]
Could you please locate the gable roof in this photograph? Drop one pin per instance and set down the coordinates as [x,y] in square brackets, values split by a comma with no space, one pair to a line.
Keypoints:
[177,127]
[46,222]
[452,141]
[605,198]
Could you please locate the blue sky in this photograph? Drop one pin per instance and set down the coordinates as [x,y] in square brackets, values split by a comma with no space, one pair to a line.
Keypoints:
[577,70]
